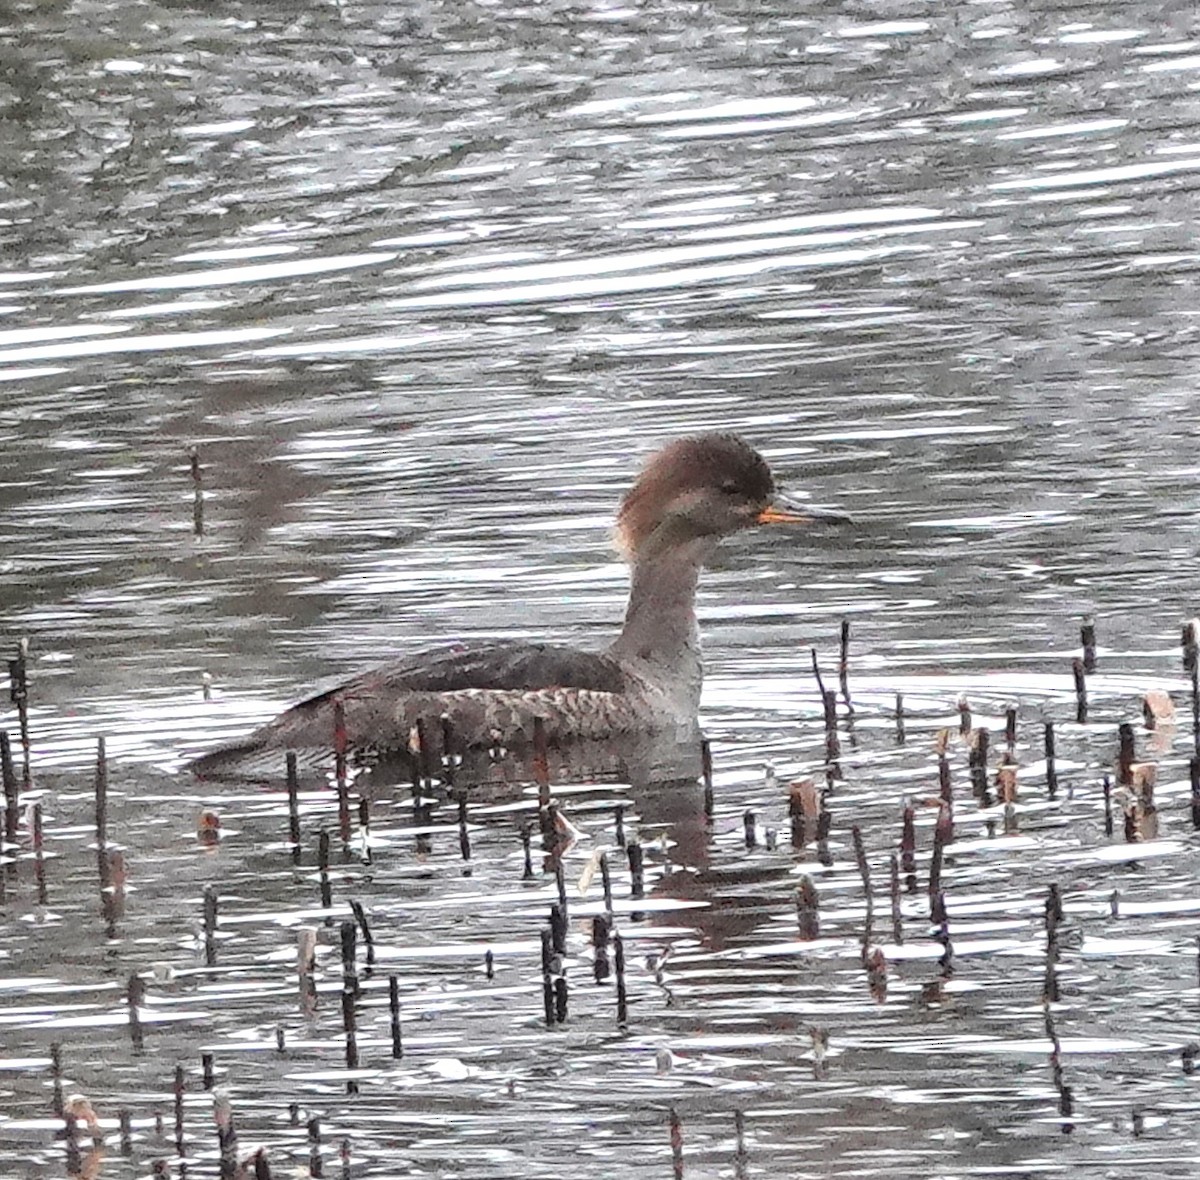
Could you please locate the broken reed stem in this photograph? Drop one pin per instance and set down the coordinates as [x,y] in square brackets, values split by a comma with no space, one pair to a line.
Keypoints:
[676,1143]
[1065,1101]
[210,926]
[101,794]
[1087,640]
[135,993]
[864,871]
[558,929]
[908,848]
[541,775]
[12,797]
[293,793]
[1081,700]
[464,836]
[1051,769]
[1191,665]
[618,945]
[706,770]
[526,838]
[548,978]
[349,943]
[39,858]
[749,829]
[894,885]
[935,869]
[1126,754]
[394,1015]
[637,887]
[323,869]
[844,665]
[56,1098]
[340,743]
[900,736]
[350,1028]
[1054,915]
[178,1092]
[18,694]
[360,916]
[316,1166]
[197,491]
[808,916]
[978,765]
[816,667]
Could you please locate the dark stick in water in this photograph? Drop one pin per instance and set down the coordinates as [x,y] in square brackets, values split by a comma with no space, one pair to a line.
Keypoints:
[178,1088]
[101,794]
[349,941]
[364,828]
[808,916]
[676,1143]
[1087,638]
[323,868]
[197,491]
[135,993]
[560,999]
[210,926]
[547,978]
[1125,754]
[619,965]
[18,694]
[558,929]
[394,1013]
[1081,700]
[350,1028]
[56,1097]
[339,759]
[864,871]
[464,836]
[12,798]
[637,888]
[316,1167]
[897,915]
[844,665]
[816,667]
[293,793]
[360,916]
[908,848]
[1051,769]
[706,770]
[39,857]
[526,836]
[899,719]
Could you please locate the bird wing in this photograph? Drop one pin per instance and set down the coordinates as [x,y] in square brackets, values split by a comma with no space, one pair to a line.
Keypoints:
[485,692]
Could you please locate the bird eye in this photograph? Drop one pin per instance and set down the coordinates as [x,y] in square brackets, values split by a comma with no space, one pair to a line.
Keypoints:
[730,487]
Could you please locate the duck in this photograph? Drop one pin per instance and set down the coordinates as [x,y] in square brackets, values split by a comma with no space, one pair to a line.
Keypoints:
[505,694]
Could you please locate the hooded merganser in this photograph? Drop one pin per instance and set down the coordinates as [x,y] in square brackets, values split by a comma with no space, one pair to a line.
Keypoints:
[482,695]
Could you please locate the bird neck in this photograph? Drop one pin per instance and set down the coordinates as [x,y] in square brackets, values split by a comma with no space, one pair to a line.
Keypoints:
[660,630]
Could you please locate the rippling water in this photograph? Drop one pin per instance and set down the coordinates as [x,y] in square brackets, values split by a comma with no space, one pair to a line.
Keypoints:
[423,285]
